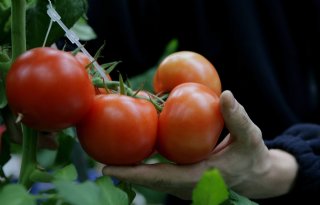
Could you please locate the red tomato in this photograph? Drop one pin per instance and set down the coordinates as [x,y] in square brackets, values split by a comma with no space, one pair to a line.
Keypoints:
[185,66]
[189,124]
[49,88]
[119,130]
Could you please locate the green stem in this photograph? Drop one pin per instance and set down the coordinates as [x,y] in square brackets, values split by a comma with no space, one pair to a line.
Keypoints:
[29,157]
[112,85]
[155,100]
[18,38]
[18,27]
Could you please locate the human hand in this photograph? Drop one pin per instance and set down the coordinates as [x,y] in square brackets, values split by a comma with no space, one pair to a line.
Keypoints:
[242,158]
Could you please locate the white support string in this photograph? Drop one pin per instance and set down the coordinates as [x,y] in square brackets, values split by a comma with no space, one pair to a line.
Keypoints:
[55,17]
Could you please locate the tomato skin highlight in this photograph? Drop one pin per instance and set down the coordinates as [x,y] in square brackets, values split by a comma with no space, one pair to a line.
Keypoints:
[119,130]
[189,124]
[185,66]
[49,88]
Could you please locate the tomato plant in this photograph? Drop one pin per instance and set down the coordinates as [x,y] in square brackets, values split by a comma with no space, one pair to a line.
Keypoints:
[185,66]
[119,130]
[49,88]
[189,124]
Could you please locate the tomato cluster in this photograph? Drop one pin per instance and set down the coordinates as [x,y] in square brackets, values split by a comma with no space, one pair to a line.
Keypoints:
[190,122]
[51,90]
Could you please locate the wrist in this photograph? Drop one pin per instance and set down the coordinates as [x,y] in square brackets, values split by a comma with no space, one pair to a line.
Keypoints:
[274,177]
[282,173]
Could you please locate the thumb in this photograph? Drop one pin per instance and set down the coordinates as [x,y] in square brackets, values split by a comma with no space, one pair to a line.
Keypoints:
[236,118]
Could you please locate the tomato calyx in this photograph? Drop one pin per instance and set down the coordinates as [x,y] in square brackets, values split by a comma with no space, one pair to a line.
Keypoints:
[122,88]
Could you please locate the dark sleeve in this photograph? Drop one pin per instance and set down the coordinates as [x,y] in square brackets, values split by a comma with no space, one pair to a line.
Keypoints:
[303,142]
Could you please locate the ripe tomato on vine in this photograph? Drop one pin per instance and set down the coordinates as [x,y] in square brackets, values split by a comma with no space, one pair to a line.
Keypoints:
[185,66]
[49,89]
[119,129]
[189,124]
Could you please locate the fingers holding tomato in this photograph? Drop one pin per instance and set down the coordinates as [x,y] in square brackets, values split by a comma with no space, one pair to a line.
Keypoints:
[190,122]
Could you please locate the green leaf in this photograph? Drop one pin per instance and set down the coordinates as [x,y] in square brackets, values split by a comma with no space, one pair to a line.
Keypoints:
[151,196]
[5,22]
[46,158]
[145,80]
[5,3]
[83,30]
[210,190]
[127,188]
[103,192]
[171,47]
[37,20]
[110,193]
[78,194]
[68,173]
[66,140]
[14,194]
[40,176]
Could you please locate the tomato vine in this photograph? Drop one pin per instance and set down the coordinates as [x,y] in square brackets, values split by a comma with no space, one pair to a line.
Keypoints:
[18,27]
[63,179]
[18,35]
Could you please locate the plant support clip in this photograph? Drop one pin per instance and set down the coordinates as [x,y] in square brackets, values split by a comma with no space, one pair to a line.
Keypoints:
[72,36]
